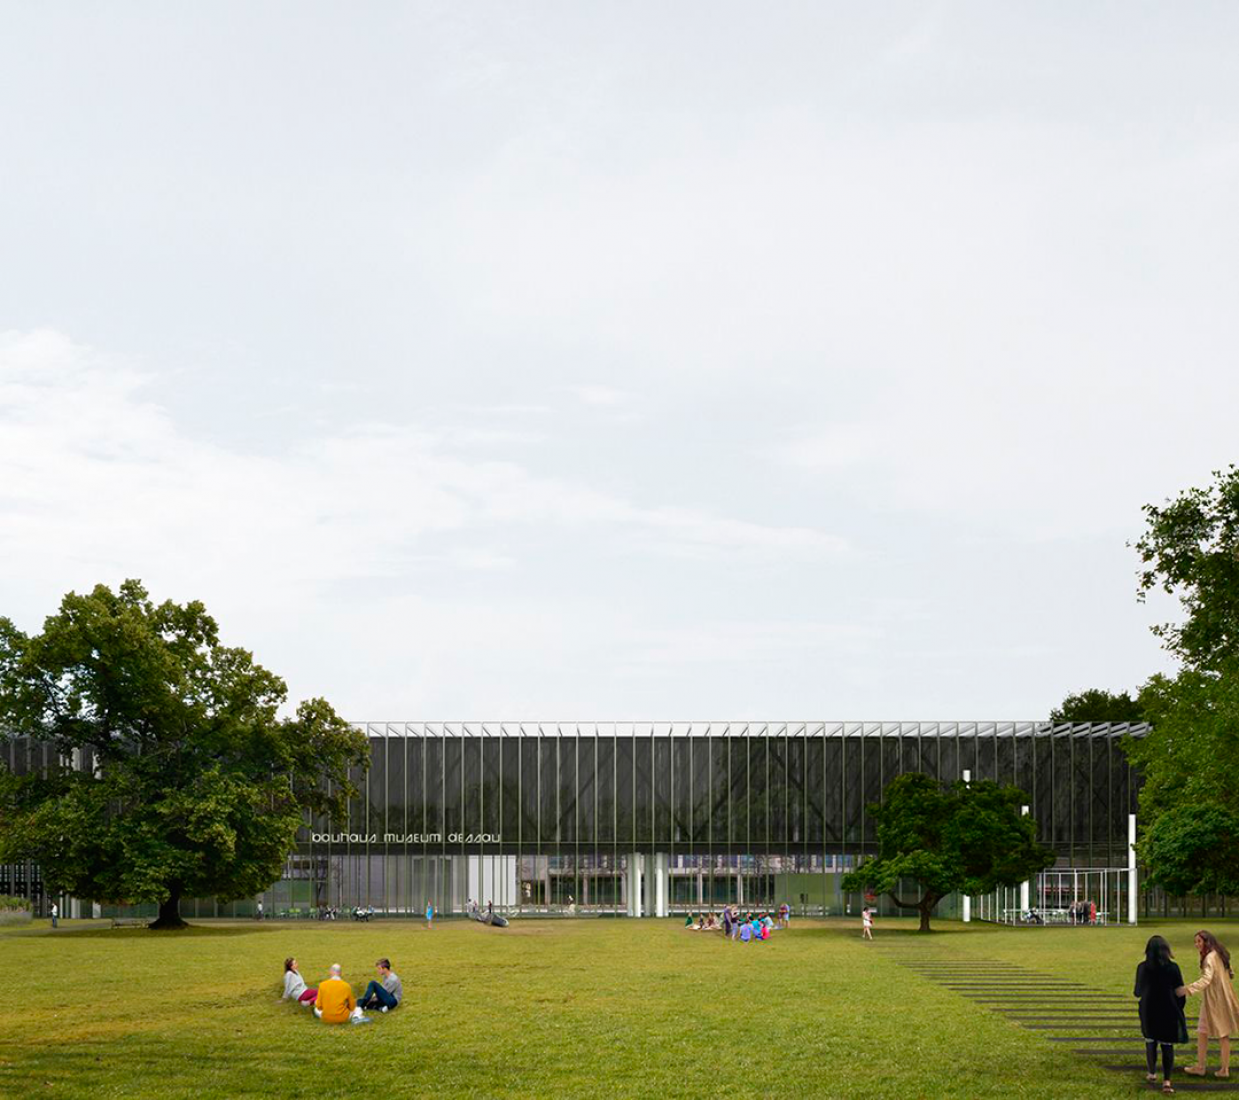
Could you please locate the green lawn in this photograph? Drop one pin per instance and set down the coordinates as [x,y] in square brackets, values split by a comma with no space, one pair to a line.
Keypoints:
[546,1008]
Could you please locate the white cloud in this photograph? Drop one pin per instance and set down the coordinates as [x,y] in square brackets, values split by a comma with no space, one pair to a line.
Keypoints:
[606,396]
[99,482]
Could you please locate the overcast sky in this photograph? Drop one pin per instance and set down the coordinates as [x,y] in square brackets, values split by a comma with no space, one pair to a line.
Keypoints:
[620,361]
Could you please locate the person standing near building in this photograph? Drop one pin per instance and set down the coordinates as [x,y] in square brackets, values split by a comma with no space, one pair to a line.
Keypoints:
[260,910]
[55,914]
[1219,1010]
[430,914]
[866,920]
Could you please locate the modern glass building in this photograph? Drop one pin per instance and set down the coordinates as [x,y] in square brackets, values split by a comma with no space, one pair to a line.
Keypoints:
[653,818]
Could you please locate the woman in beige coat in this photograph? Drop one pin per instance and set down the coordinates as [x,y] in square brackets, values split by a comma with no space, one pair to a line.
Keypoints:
[1219,1010]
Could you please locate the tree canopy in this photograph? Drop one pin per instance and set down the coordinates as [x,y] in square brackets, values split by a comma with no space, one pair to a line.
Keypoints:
[966,838]
[1193,849]
[1190,548]
[180,778]
[1097,705]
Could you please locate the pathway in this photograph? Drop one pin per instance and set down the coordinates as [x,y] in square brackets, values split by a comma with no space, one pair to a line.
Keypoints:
[1094,1023]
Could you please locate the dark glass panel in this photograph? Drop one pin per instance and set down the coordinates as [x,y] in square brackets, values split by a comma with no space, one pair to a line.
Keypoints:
[492,786]
[833,779]
[510,796]
[434,785]
[929,760]
[530,812]
[1004,766]
[756,824]
[1025,767]
[606,790]
[816,782]
[700,751]
[852,763]
[587,790]
[394,773]
[624,833]
[415,797]
[567,789]
[872,763]
[985,758]
[453,817]
[471,773]
[681,791]
[721,800]
[643,789]
[792,829]
[662,790]
[548,751]
[376,787]
[890,756]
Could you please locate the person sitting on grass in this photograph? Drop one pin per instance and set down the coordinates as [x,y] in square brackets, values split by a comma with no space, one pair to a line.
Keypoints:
[384,994]
[334,1003]
[294,985]
[746,932]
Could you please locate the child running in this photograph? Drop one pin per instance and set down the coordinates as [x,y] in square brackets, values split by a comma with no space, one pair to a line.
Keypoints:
[866,919]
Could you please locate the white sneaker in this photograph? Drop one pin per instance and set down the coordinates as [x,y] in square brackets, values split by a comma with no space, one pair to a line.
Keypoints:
[383,1009]
[360,1020]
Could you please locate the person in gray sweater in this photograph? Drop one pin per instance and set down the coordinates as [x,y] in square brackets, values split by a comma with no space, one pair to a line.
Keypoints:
[385,993]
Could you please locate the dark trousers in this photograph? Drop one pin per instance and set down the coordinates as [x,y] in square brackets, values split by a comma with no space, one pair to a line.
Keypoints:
[1150,1056]
[376,996]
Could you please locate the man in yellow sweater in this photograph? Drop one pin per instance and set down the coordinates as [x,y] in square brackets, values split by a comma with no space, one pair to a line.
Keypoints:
[334,1003]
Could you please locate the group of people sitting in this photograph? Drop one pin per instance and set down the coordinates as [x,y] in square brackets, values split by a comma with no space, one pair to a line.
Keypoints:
[752,926]
[333,1000]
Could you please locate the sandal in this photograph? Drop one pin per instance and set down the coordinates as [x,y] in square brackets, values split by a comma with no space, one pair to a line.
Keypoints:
[1167,1087]
[1219,1073]
[1195,1071]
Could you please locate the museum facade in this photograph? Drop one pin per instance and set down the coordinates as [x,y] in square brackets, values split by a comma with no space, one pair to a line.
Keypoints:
[654,818]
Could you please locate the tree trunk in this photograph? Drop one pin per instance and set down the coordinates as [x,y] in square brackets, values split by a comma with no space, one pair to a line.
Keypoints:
[169,912]
[926,907]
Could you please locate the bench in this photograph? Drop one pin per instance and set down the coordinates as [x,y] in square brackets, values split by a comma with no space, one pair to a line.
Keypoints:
[129,922]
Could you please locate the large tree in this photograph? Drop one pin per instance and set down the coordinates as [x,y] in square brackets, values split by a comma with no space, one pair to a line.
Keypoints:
[965,838]
[179,776]
[1193,849]
[1098,705]
[1190,548]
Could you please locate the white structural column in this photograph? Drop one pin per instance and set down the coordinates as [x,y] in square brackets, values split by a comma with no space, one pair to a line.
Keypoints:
[1131,869]
[1024,906]
[635,868]
[661,873]
[967,900]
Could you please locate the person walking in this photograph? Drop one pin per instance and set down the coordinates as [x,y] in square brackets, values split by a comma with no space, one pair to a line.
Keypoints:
[430,914]
[866,920]
[55,915]
[1158,981]
[1219,1010]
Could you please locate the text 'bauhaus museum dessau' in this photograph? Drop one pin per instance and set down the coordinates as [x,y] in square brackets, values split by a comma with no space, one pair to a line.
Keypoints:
[651,818]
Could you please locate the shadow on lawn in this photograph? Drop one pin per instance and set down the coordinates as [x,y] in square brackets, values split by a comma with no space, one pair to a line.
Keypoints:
[189,932]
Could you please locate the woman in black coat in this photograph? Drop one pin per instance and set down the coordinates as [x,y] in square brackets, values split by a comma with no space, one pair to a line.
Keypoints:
[1161,1012]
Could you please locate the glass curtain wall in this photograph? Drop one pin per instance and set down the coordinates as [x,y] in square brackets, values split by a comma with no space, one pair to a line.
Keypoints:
[661,817]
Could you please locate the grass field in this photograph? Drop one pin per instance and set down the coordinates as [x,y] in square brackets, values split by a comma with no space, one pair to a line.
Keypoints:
[548,1008]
